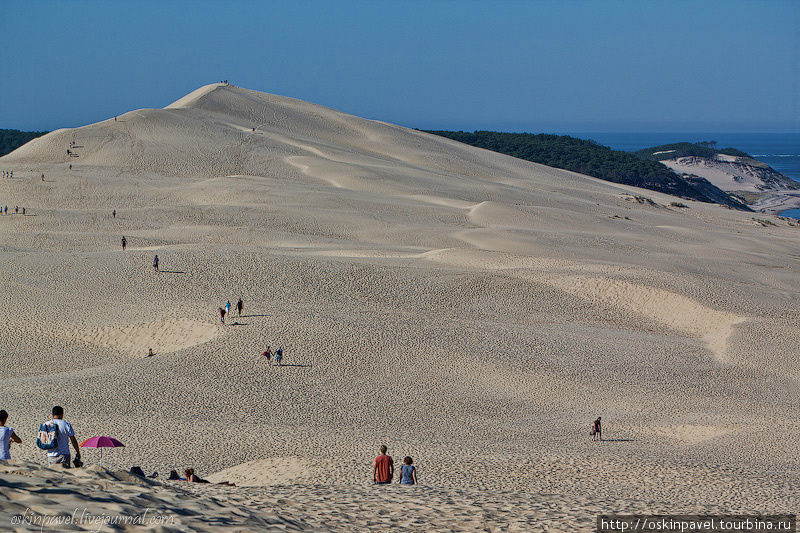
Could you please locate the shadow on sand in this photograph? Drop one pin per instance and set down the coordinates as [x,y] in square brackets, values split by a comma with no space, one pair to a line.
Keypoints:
[248,316]
[295,364]
[172,271]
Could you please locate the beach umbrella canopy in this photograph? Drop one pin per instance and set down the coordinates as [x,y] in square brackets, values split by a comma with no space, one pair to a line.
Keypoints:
[102,442]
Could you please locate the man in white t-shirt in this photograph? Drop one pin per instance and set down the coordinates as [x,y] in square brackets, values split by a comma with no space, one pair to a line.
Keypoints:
[64,435]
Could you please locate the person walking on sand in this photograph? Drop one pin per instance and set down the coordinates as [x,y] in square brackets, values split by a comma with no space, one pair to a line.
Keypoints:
[7,436]
[155,263]
[383,468]
[124,243]
[597,430]
[64,435]
[408,472]
[114,213]
[222,314]
[240,306]
[228,308]
[268,354]
[279,355]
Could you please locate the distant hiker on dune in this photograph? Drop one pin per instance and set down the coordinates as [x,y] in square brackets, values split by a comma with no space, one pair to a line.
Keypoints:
[597,430]
[222,314]
[228,307]
[240,306]
[155,263]
[124,243]
[114,213]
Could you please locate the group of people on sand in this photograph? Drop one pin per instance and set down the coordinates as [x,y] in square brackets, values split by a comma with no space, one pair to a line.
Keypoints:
[189,474]
[56,445]
[17,210]
[59,453]
[267,354]
[383,469]
[226,309]
[8,173]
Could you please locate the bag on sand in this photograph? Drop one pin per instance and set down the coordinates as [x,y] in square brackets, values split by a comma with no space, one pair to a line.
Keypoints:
[48,433]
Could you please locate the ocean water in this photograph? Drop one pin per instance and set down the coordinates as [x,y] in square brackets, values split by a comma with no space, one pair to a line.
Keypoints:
[781,151]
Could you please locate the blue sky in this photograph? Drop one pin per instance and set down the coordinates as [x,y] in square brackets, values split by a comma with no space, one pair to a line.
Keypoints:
[516,66]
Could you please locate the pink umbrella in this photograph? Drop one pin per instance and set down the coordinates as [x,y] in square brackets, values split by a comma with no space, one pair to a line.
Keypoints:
[101,442]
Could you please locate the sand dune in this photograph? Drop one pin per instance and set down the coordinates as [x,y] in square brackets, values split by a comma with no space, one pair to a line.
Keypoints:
[162,337]
[468,309]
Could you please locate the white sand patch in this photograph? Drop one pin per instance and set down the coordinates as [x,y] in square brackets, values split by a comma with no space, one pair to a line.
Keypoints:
[691,433]
[162,337]
[271,471]
[675,311]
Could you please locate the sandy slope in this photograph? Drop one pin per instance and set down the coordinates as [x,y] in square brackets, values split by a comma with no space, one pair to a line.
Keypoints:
[468,309]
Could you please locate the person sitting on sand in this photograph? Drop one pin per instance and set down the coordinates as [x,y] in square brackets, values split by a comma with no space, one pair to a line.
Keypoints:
[149,352]
[408,472]
[597,431]
[64,435]
[7,436]
[383,468]
[173,476]
[194,478]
